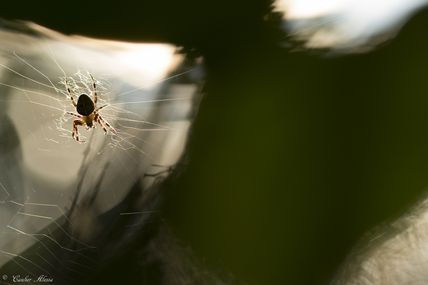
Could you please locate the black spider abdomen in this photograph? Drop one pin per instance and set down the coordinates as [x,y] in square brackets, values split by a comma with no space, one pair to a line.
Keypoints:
[85,106]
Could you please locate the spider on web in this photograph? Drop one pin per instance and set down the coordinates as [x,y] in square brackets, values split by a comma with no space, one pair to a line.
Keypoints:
[87,110]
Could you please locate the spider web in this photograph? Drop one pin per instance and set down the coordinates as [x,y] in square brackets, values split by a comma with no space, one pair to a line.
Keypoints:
[59,196]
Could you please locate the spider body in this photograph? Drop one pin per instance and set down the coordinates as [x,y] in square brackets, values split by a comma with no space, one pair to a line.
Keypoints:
[85,105]
[87,111]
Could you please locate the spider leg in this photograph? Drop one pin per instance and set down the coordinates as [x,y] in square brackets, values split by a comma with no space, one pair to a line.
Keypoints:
[104,123]
[75,133]
[69,93]
[94,89]
[99,108]
[74,114]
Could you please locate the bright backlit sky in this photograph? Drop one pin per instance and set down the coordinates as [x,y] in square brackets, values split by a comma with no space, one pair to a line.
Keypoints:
[345,23]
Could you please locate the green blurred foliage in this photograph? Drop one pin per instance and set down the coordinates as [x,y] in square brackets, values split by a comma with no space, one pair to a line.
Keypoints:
[294,157]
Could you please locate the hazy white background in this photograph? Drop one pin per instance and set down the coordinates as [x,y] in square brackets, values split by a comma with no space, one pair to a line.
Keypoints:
[346,24]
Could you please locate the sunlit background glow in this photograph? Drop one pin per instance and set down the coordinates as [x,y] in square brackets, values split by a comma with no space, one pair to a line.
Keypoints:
[146,101]
[346,24]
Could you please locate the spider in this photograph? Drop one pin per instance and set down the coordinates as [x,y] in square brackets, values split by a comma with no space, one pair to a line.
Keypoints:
[88,112]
